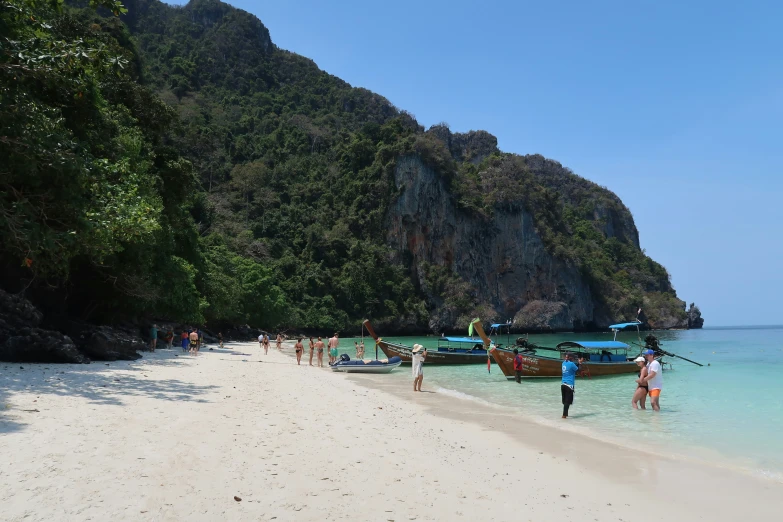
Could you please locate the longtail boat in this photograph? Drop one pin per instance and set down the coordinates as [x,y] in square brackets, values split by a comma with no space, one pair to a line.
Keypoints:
[600,358]
[451,350]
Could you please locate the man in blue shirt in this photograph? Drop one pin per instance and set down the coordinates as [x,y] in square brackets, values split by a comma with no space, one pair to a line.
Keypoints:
[569,382]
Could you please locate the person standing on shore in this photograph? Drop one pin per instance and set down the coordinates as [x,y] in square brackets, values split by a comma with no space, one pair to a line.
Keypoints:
[312,350]
[569,382]
[154,336]
[517,366]
[418,355]
[185,341]
[299,347]
[319,348]
[334,342]
[220,340]
[279,341]
[356,344]
[653,379]
[169,337]
[261,340]
[361,349]
[193,342]
[266,343]
[640,394]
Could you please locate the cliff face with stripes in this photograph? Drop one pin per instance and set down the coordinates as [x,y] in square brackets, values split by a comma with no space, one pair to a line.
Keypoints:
[506,270]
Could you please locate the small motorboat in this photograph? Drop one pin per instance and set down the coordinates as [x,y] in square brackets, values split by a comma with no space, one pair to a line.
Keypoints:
[345,364]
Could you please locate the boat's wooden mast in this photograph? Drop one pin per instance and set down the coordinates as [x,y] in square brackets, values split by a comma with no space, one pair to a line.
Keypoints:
[480,330]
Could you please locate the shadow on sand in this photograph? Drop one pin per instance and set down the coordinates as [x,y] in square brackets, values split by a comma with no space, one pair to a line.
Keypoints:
[102,383]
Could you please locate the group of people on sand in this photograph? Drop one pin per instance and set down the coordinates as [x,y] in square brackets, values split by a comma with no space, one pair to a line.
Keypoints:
[191,339]
[263,341]
[316,348]
[649,383]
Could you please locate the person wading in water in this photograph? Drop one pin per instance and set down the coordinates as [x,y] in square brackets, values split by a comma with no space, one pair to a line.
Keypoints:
[569,382]
[517,366]
[640,394]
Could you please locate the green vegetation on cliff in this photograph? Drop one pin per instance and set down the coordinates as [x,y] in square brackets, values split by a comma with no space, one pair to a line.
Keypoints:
[175,162]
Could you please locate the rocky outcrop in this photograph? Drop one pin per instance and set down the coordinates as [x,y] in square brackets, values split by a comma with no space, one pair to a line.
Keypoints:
[25,337]
[471,146]
[543,317]
[103,343]
[695,320]
[39,345]
[21,339]
[503,260]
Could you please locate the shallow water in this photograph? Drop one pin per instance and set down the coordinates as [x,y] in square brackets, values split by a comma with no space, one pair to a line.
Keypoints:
[729,413]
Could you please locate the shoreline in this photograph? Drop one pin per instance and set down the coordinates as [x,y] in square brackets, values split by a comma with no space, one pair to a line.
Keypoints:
[176,438]
[708,458]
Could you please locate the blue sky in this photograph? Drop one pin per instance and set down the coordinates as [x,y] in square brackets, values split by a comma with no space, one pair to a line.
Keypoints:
[676,108]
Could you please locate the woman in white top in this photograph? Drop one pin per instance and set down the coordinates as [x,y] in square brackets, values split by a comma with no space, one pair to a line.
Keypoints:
[419,353]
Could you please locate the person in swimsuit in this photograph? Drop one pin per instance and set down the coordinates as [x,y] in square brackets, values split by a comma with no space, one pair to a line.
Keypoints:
[312,350]
[261,341]
[640,394]
[356,344]
[185,341]
[319,348]
[266,344]
[334,342]
[299,349]
[361,350]
[193,342]
[653,379]
[279,341]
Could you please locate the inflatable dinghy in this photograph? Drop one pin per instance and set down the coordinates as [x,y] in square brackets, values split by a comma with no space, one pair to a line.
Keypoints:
[345,364]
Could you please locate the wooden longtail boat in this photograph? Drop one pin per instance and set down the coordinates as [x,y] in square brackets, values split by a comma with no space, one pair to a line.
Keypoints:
[451,350]
[600,358]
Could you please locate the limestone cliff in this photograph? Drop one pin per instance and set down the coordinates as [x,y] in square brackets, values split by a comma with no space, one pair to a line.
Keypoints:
[503,260]
[497,265]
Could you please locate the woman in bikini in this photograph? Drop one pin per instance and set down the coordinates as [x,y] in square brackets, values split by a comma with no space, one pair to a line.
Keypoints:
[312,350]
[640,395]
[299,349]
[266,344]
[319,348]
[279,342]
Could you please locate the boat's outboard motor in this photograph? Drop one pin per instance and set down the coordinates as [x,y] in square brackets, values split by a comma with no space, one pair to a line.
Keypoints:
[345,357]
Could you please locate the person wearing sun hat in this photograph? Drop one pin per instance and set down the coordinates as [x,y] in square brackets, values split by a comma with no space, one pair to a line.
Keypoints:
[653,379]
[418,354]
[640,394]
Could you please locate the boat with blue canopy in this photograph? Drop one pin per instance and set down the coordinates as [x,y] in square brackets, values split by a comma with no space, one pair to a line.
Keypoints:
[599,358]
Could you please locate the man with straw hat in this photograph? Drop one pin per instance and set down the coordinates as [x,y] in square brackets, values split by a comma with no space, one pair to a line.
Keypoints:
[418,354]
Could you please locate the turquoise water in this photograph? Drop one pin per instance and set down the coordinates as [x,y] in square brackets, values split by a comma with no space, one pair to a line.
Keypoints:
[730,412]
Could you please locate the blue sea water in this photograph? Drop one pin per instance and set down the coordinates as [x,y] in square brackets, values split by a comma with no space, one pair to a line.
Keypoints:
[729,413]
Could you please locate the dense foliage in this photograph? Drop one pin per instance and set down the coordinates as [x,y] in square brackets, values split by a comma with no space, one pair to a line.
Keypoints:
[174,162]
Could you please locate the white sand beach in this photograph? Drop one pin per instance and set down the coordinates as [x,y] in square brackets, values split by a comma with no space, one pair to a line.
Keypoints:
[178,438]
